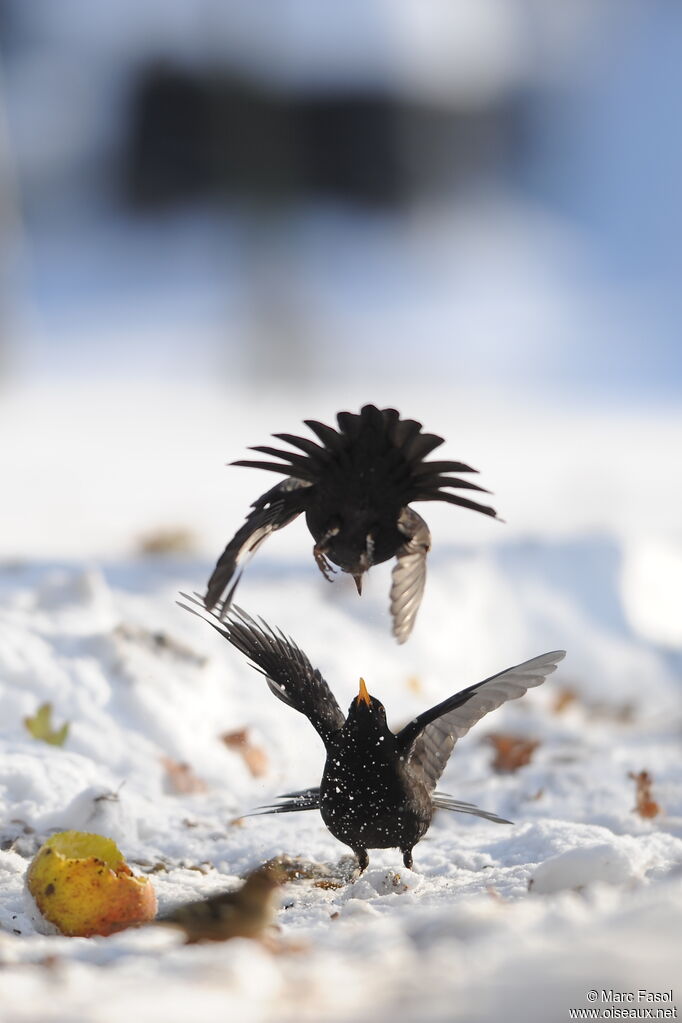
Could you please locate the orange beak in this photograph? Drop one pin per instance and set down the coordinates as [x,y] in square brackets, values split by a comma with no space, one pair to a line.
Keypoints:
[363,694]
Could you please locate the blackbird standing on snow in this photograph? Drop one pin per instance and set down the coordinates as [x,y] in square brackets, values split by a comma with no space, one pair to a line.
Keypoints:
[355,488]
[378,787]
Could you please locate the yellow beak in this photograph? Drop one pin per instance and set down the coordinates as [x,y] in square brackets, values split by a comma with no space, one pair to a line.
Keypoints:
[363,694]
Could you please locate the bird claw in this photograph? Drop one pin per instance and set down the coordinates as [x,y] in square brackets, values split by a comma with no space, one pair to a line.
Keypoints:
[325,566]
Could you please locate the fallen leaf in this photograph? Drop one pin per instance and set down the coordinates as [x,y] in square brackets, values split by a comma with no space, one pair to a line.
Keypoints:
[164,541]
[414,684]
[40,726]
[181,778]
[511,751]
[253,756]
[645,805]
[567,696]
[323,875]
[494,894]
[564,697]
[623,713]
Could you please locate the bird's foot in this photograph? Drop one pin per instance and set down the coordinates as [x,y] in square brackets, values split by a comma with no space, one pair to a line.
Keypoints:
[363,860]
[407,858]
[325,566]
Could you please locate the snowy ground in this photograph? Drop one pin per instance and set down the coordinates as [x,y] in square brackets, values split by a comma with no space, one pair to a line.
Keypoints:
[459,938]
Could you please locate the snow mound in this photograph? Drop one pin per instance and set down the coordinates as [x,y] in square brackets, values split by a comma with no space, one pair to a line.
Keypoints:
[149,691]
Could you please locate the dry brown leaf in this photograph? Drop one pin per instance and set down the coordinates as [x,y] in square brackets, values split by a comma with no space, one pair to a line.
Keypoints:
[414,684]
[164,541]
[511,751]
[563,698]
[494,894]
[566,696]
[323,875]
[623,713]
[645,805]
[253,756]
[181,778]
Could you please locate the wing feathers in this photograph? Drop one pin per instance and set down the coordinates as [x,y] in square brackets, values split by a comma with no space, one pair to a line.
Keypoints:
[429,739]
[276,508]
[409,574]
[288,672]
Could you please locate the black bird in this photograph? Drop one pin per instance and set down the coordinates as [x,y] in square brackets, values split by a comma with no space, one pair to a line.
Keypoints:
[378,787]
[355,488]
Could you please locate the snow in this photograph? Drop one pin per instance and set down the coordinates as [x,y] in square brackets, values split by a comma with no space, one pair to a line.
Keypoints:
[494,922]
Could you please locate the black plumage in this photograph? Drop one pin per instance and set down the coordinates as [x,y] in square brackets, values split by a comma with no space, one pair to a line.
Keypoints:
[355,488]
[378,788]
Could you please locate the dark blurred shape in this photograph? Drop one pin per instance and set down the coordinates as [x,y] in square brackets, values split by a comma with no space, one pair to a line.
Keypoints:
[168,155]
[221,136]
[218,135]
[7,25]
[350,147]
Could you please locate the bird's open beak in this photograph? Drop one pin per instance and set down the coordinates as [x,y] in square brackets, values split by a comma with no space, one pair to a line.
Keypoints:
[358,584]
[363,696]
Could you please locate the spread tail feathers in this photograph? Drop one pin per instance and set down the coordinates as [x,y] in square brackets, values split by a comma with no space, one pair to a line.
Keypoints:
[444,802]
[309,799]
[398,445]
[290,802]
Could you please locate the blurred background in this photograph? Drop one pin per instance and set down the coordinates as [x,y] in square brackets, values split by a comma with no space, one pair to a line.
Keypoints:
[217,215]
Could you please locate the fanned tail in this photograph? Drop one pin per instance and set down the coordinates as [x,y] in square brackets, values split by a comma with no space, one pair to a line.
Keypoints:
[398,444]
[290,802]
[443,801]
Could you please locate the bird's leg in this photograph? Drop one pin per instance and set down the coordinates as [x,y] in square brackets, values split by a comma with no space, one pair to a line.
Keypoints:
[407,858]
[319,551]
[363,859]
[324,565]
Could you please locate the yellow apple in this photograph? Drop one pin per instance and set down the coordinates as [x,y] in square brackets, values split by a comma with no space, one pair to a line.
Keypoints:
[81,884]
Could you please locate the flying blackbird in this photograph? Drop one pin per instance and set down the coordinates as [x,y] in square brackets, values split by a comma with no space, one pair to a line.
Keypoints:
[244,913]
[355,488]
[378,787]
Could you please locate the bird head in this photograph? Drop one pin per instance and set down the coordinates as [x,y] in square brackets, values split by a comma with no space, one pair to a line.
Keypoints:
[366,714]
[352,553]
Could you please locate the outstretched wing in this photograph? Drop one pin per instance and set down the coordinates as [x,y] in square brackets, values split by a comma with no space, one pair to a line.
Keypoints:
[288,672]
[276,508]
[429,739]
[409,574]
